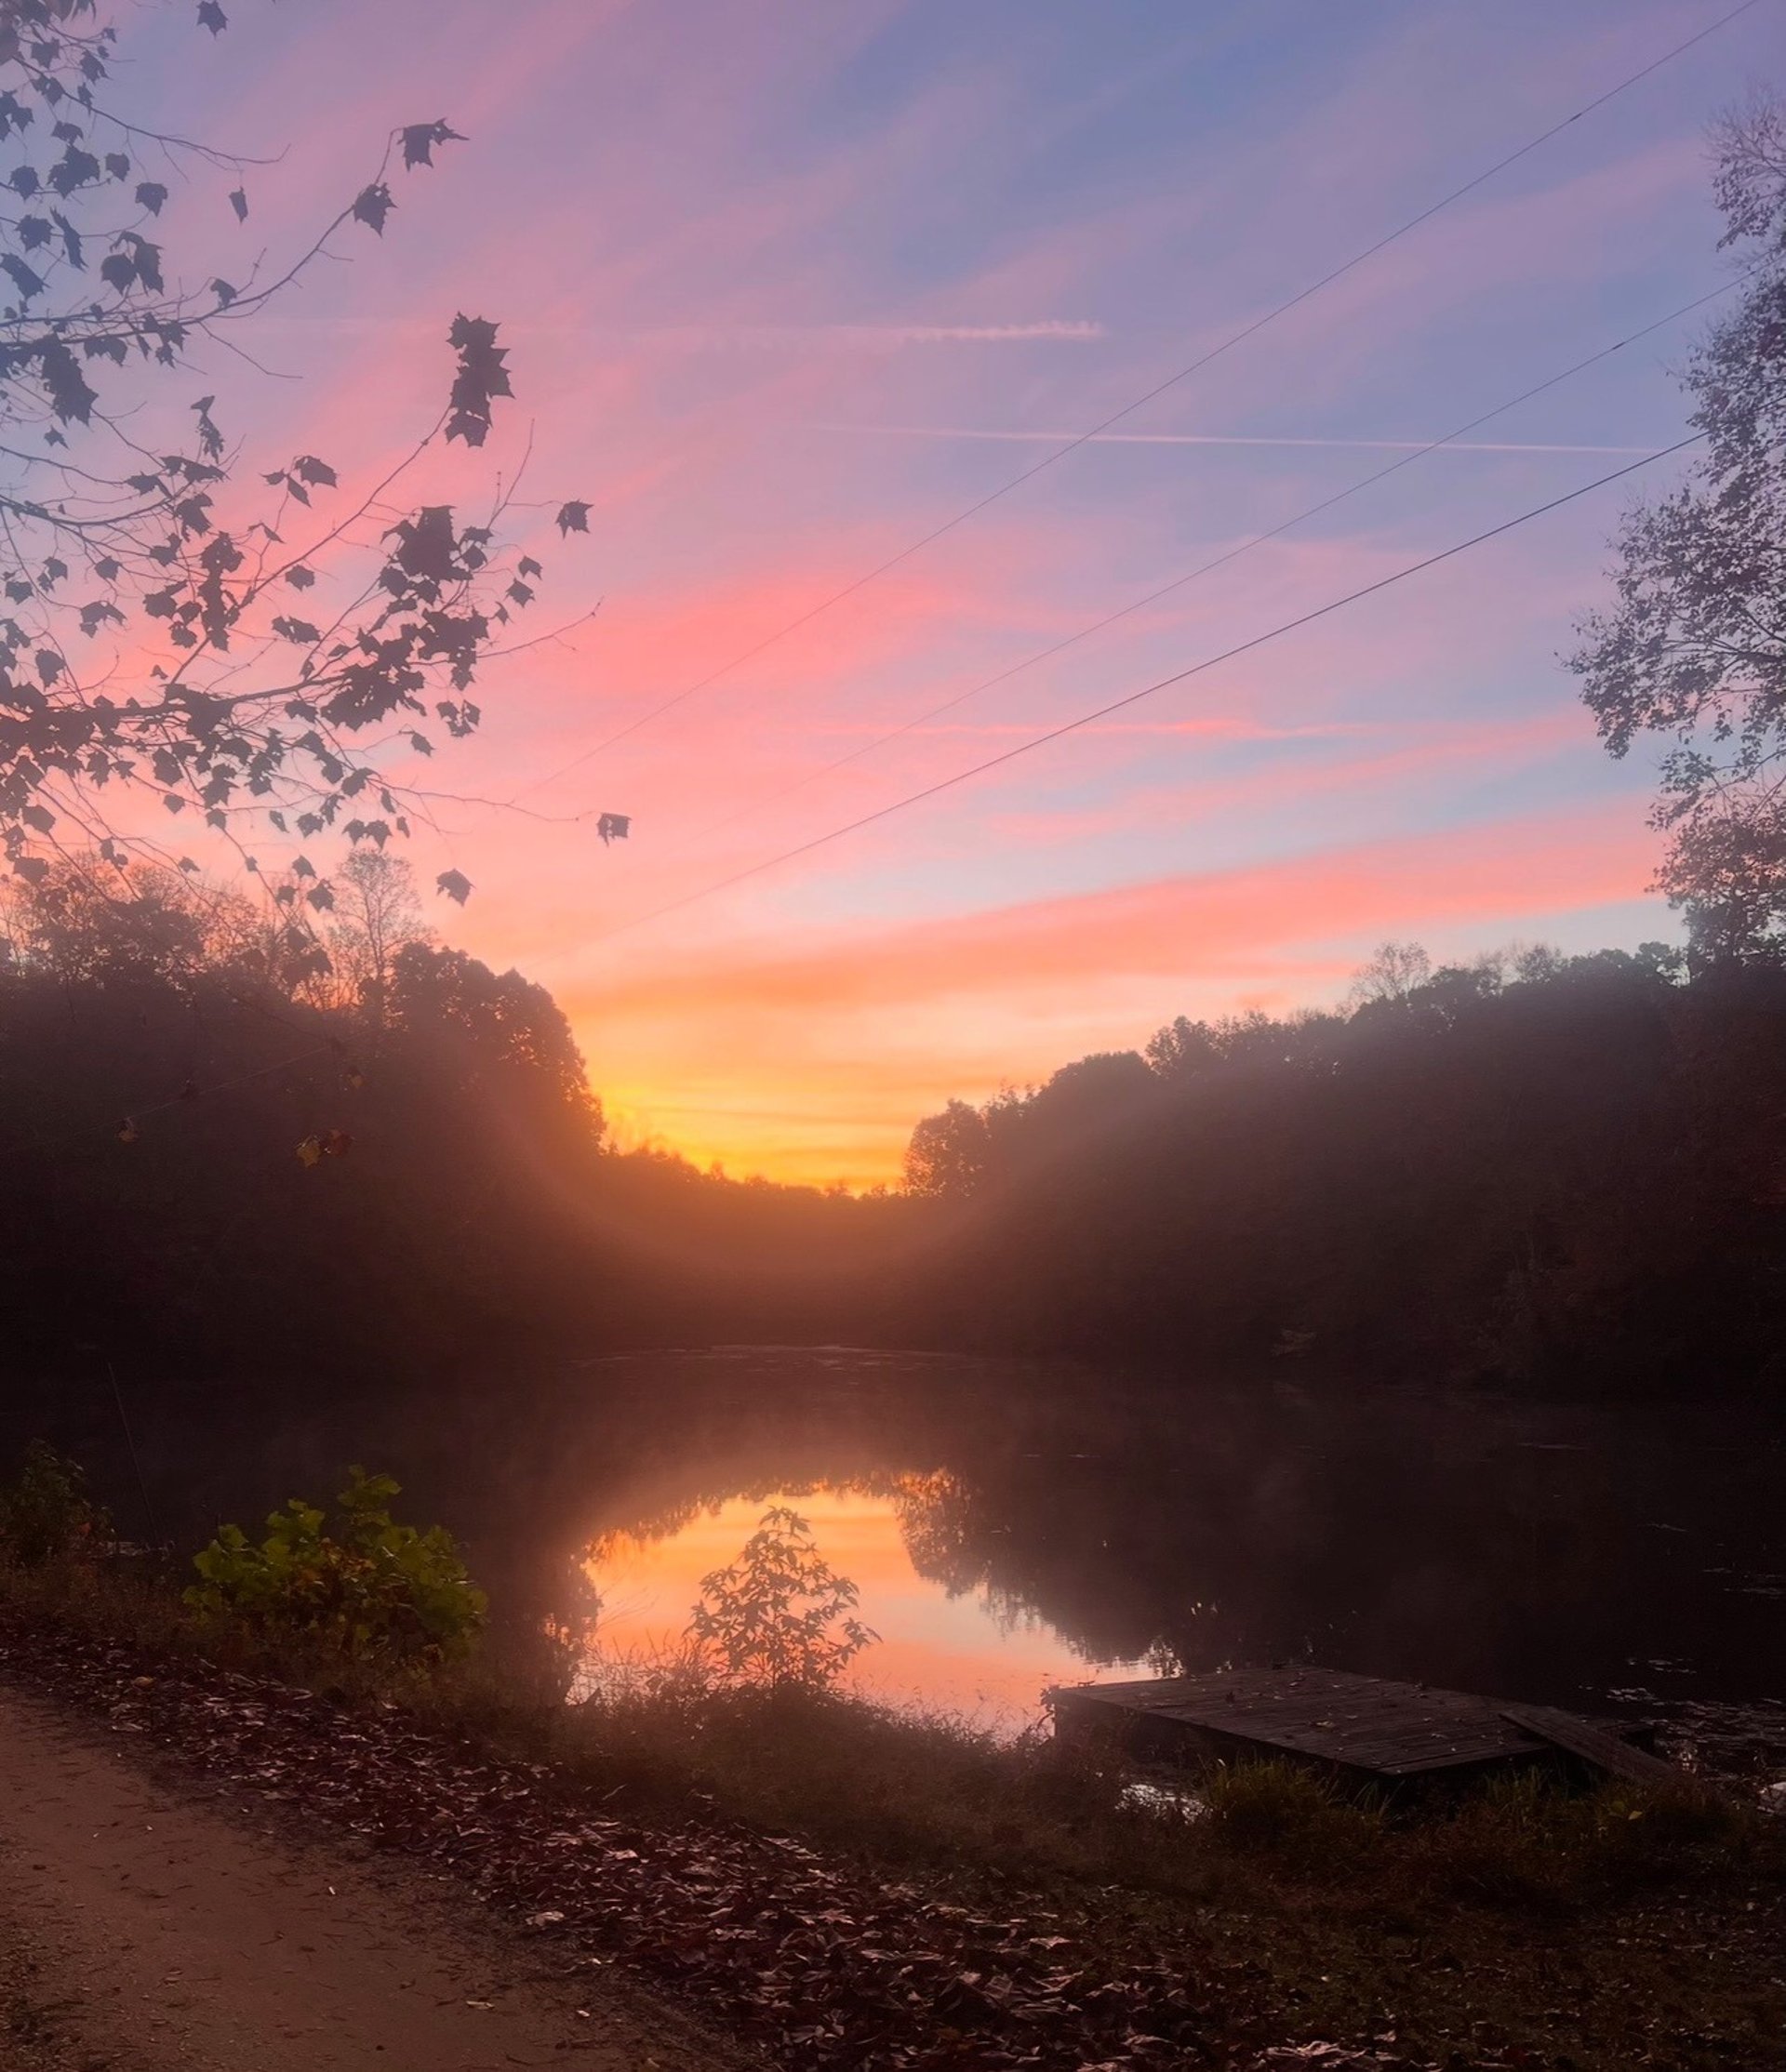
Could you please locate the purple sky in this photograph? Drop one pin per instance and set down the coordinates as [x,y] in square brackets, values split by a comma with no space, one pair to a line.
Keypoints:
[787,286]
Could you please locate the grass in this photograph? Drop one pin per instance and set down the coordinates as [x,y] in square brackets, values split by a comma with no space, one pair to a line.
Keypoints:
[917,1791]
[1590,1924]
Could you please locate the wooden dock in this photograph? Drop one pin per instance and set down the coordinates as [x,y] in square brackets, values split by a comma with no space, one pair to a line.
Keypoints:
[1364,1729]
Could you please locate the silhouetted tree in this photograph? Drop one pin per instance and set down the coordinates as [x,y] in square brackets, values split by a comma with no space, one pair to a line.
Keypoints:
[504,1021]
[1695,647]
[1531,1164]
[218,650]
[83,924]
[947,1157]
[1393,972]
[377,913]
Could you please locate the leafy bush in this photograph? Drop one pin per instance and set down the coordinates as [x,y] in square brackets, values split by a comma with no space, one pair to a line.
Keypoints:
[370,1587]
[779,1616]
[47,1515]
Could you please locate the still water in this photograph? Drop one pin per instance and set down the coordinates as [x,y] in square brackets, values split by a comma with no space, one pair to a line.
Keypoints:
[962,1648]
[1012,1525]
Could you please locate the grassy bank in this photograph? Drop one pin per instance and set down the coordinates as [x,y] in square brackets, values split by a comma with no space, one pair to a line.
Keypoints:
[1617,1928]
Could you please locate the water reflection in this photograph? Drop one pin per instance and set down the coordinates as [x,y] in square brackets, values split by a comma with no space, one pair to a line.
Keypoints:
[1012,1522]
[949,1639]
[1014,1525]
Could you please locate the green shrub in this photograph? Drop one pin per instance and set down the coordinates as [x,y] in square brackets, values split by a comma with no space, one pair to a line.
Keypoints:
[45,1515]
[370,1587]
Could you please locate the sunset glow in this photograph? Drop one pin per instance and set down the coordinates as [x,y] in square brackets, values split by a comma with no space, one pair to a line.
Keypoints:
[960,1653]
[754,325]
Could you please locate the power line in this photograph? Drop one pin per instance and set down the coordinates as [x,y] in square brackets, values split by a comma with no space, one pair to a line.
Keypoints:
[1208,567]
[1148,690]
[1159,389]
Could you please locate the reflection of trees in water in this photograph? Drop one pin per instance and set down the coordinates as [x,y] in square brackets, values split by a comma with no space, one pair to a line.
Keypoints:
[950,1542]
[1471,1539]
[664,1521]
[1468,1539]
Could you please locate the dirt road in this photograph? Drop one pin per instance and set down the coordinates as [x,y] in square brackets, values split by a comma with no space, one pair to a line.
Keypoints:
[143,1929]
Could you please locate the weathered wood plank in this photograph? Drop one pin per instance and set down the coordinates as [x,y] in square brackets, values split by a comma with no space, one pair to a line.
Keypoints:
[1365,1724]
[1606,1751]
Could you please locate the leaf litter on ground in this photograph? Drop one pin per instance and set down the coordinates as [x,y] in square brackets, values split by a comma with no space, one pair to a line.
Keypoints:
[828,1967]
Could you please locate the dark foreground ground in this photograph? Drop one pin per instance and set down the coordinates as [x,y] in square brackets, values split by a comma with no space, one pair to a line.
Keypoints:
[673,1933]
[147,1925]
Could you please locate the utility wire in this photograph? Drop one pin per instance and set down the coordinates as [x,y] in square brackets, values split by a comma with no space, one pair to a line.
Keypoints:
[1129,409]
[241,1079]
[1208,567]
[1148,690]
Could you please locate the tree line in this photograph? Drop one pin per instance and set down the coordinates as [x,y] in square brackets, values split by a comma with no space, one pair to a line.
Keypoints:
[1532,1165]
[217,1156]
[1558,1167]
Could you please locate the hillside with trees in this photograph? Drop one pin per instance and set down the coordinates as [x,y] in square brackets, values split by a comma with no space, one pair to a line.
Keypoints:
[1545,1166]
[216,1158]
[215,1163]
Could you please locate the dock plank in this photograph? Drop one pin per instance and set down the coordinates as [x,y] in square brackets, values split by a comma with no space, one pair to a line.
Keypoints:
[1368,1725]
[1580,1737]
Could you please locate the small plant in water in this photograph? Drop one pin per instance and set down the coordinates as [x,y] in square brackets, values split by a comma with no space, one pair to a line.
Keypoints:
[368,1587]
[780,1618]
[47,1515]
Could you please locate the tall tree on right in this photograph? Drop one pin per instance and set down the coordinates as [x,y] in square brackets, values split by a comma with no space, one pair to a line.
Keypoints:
[1694,649]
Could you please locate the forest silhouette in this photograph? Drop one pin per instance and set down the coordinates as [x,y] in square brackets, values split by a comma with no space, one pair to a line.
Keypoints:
[219,1159]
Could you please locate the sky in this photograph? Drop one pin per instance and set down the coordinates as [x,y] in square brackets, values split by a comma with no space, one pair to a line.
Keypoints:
[787,286]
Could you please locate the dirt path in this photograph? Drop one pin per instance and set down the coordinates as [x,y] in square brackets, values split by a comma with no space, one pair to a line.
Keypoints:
[144,1930]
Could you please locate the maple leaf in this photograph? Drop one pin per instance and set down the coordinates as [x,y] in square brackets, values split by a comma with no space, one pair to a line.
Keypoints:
[239,201]
[573,517]
[481,377]
[425,544]
[150,195]
[455,885]
[211,16]
[27,281]
[373,204]
[69,394]
[419,139]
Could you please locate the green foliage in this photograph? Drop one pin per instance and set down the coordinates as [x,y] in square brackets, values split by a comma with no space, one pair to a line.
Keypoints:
[370,1587]
[46,1514]
[780,1618]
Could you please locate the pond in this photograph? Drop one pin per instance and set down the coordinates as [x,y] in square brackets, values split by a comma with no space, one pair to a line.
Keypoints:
[1011,1525]
[972,1651]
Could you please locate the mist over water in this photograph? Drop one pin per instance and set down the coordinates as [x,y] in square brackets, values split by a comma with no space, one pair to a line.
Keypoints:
[1014,1524]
